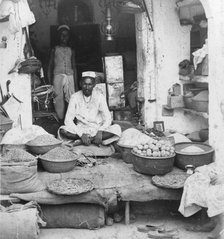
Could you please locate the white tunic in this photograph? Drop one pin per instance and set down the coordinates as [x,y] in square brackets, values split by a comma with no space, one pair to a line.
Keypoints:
[92,114]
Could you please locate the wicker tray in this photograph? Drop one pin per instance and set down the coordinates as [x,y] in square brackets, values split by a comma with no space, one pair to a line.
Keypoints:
[70,186]
[171,180]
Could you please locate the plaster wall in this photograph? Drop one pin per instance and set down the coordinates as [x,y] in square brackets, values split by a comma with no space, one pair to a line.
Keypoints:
[171,46]
[20,84]
[215,15]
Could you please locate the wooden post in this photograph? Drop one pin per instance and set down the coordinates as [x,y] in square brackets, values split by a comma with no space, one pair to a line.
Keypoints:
[127,213]
[146,70]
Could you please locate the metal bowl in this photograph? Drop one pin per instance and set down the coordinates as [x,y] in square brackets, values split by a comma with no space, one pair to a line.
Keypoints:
[58,166]
[200,106]
[152,165]
[41,149]
[196,159]
[126,154]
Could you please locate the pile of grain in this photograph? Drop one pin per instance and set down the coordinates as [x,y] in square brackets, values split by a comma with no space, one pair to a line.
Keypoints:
[59,154]
[43,140]
[202,96]
[192,149]
[17,155]
[132,137]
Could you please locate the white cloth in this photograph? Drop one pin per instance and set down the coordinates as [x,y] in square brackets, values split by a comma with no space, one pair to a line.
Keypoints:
[13,108]
[200,54]
[22,136]
[63,27]
[199,191]
[6,8]
[92,115]
[89,74]
[64,83]
[19,14]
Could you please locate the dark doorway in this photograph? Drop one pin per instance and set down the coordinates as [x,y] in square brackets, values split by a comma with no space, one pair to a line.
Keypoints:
[86,41]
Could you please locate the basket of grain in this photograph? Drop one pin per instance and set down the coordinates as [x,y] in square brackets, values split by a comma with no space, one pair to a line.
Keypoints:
[192,153]
[58,160]
[42,144]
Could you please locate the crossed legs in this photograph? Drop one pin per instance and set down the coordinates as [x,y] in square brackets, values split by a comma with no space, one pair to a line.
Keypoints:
[68,135]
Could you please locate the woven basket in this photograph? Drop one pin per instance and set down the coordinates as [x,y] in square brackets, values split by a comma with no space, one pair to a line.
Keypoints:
[43,97]
[70,186]
[30,66]
[170,180]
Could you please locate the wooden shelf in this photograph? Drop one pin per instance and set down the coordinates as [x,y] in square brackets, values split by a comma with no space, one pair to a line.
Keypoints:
[202,114]
[194,78]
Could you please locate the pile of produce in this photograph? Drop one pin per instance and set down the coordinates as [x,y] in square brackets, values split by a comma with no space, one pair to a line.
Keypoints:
[59,154]
[16,156]
[42,140]
[132,137]
[155,148]
[154,133]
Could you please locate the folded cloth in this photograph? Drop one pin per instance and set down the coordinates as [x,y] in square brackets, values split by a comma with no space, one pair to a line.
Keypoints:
[19,14]
[205,188]
[67,82]
[200,54]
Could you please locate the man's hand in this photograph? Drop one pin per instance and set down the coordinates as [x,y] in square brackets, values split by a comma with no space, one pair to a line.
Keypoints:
[98,138]
[86,139]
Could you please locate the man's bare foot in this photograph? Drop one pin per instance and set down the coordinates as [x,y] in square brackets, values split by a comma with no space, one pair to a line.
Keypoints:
[215,233]
[208,227]
[218,231]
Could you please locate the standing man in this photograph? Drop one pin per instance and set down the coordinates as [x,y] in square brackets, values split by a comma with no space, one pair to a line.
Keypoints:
[62,71]
[88,117]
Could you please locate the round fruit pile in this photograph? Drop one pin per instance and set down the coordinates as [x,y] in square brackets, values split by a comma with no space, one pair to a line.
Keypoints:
[155,148]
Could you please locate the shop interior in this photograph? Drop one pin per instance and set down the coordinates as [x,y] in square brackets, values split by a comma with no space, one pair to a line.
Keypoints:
[88,21]
[148,96]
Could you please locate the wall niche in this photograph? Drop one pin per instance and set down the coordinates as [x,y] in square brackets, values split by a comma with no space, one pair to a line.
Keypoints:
[73,12]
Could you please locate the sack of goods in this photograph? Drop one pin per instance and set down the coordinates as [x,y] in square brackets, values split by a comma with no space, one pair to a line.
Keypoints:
[19,173]
[20,221]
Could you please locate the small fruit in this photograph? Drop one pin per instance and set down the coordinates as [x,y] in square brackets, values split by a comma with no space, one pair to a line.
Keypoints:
[149,152]
[163,153]
[140,147]
[154,154]
[139,151]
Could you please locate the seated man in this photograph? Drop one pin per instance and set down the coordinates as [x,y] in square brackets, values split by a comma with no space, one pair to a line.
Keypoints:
[205,189]
[88,117]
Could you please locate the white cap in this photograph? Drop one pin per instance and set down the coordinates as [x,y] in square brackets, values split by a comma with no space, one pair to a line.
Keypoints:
[63,26]
[89,74]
